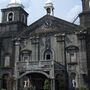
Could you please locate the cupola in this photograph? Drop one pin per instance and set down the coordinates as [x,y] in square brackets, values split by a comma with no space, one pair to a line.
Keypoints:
[49,7]
[15,3]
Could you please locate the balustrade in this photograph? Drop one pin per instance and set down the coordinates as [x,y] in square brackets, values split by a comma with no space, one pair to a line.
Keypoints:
[35,65]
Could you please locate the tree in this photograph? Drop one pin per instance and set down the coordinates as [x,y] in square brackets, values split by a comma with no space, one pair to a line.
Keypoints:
[46,85]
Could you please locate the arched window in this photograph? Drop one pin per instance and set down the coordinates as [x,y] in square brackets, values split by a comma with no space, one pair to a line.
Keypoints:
[25,55]
[10,16]
[48,11]
[7,61]
[48,54]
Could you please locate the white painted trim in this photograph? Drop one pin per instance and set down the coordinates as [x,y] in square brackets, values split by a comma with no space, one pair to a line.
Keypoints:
[8,15]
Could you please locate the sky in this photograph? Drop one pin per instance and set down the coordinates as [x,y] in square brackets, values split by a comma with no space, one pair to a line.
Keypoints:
[64,9]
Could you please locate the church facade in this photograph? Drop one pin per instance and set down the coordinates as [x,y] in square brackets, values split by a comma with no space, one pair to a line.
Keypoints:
[50,54]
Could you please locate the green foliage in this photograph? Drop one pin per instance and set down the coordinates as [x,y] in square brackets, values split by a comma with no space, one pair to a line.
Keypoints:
[83,88]
[46,85]
[31,88]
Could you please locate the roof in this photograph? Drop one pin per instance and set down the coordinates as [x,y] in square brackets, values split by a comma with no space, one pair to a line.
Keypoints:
[50,24]
[46,25]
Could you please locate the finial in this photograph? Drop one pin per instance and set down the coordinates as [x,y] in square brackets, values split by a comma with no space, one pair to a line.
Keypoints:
[49,7]
[15,3]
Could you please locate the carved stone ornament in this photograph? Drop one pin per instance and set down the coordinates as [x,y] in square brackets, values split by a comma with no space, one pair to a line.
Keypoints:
[48,23]
[48,42]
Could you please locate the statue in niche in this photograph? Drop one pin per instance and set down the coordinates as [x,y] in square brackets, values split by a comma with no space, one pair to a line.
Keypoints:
[48,42]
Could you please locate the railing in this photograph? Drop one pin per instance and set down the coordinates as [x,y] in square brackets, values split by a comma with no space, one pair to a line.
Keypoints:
[35,65]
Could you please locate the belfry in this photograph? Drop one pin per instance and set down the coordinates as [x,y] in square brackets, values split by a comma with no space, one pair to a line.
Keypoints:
[49,7]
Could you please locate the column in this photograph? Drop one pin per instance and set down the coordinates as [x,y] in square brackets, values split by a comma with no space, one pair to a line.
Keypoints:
[0,64]
[17,47]
[52,77]
[0,81]
[60,48]
[36,48]
[82,59]
[53,84]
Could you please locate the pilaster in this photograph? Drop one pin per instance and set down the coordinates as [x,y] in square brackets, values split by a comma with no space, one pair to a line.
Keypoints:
[16,73]
[82,62]
[36,48]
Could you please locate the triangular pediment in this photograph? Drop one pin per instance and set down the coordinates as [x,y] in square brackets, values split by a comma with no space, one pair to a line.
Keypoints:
[51,24]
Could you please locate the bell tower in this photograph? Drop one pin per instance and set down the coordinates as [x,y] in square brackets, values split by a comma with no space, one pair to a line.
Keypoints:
[14,21]
[85,15]
[49,7]
[14,12]
[15,3]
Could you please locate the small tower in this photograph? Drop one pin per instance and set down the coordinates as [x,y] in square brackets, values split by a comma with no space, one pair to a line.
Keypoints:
[49,7]
[14,12]
[15,3]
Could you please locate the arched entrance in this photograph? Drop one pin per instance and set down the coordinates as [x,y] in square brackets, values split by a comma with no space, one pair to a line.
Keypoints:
[32,81]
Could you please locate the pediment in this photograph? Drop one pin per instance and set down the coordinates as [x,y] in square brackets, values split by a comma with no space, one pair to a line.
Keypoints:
[51,24]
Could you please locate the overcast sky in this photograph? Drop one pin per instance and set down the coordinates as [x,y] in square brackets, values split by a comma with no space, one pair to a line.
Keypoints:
[64,9]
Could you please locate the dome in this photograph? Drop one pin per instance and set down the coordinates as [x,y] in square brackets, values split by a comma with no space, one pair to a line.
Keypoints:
[15,3]
[48,1]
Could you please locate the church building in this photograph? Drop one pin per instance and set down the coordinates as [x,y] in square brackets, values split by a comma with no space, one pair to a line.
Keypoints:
[49,54]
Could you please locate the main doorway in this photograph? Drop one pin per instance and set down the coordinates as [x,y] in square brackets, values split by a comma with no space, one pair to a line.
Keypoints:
[33,81]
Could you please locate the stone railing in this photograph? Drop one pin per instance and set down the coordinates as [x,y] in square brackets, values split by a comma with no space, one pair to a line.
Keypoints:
[35,65]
